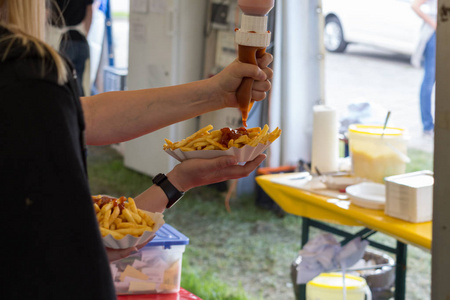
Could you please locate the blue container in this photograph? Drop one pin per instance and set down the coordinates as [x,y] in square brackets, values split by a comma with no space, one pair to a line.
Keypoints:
[156,268]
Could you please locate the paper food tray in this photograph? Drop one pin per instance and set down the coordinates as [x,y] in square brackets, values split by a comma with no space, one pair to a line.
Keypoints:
[244,154]
[132,241]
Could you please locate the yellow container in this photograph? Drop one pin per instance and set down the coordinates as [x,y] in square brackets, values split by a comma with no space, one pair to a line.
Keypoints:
[375,156]
[329,286]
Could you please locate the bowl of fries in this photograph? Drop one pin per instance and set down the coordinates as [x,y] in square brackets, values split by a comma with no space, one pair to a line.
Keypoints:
[244,144]
[122,224]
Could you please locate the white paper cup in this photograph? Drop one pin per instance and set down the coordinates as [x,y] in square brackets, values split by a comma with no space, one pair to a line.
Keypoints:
[132,241]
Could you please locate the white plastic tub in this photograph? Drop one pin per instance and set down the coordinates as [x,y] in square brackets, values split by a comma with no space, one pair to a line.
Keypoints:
[374,156]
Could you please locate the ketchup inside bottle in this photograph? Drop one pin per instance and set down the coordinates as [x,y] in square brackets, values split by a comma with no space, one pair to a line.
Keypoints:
[247,54]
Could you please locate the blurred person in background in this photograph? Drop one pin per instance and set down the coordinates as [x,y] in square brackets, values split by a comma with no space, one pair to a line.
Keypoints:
[73,19]
[55,249]
[425,55]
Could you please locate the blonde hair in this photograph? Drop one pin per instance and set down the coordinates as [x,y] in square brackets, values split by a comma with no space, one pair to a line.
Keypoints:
[26,19]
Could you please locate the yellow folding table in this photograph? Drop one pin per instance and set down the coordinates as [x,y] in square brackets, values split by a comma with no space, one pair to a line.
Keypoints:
[316,208]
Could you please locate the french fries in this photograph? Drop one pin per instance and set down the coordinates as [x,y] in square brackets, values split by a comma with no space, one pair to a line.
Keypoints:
[225,138]
[120,216]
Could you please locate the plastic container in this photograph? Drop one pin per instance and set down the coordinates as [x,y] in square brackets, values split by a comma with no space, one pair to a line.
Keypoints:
[329,286]
[410,196]
[156,268]
[374,156]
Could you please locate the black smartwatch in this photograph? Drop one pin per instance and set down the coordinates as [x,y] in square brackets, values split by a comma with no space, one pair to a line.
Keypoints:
[171,192]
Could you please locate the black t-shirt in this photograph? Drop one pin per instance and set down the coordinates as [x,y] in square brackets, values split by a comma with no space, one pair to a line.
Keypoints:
[73,11]
[52,248]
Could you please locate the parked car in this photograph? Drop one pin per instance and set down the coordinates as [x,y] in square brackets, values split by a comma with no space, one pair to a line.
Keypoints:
[387,24]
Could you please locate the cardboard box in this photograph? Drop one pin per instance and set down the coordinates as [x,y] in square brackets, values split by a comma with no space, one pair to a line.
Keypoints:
[156,268]
[410,196]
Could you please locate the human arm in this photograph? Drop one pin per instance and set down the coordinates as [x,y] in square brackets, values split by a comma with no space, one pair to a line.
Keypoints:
[120,116]
[416,6]
[88,19]
[193,173]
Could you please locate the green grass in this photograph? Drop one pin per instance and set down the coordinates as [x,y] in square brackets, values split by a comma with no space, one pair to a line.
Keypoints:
[420,160]
[208,286]
[107,174]
[245,254]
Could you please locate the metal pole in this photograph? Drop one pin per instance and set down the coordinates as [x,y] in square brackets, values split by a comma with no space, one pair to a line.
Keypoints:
[400,271]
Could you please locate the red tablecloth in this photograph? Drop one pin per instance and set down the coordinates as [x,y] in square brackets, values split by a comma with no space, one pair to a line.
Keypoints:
[181,295]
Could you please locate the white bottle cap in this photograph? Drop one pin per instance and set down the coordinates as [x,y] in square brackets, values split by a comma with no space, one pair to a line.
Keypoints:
[253,32]
[253,39]
[252,23]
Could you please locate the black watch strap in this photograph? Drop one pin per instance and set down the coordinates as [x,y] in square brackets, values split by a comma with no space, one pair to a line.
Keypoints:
[169,189]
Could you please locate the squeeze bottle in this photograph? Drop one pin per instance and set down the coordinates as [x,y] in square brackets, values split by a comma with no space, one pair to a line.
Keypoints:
[252,39]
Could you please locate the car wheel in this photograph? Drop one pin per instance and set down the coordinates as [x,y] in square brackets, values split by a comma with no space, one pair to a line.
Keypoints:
[334,35]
